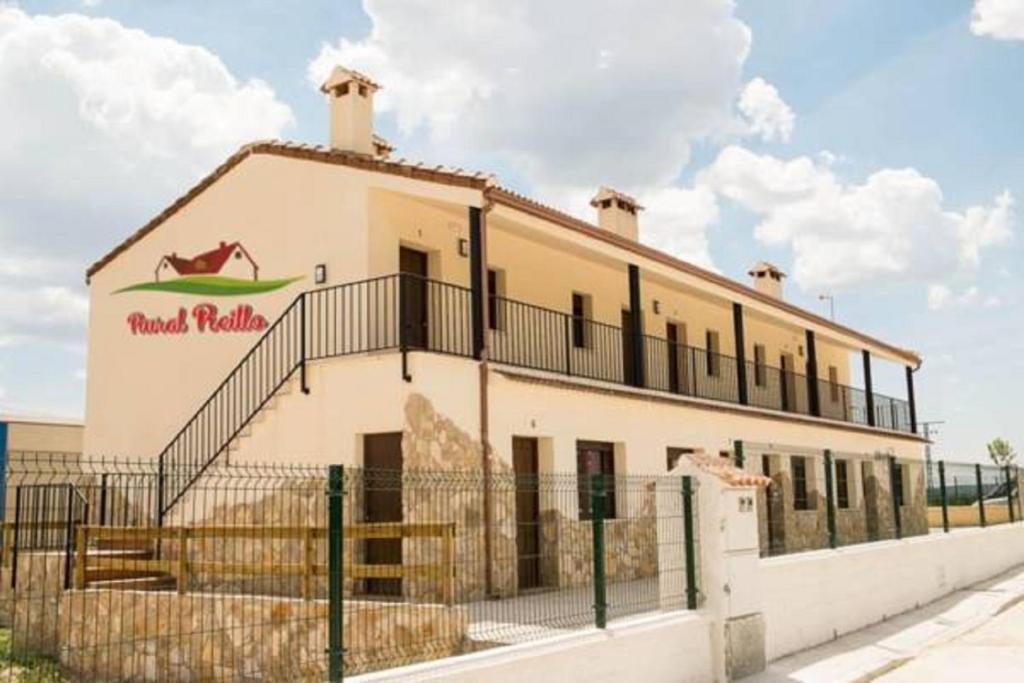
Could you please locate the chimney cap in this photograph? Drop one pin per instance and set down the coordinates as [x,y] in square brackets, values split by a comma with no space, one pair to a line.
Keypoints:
[607,193]
[340,75]
[762,268]
[382,146]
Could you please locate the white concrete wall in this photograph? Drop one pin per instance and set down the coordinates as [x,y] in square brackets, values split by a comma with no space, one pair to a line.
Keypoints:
[814,597]
[672,648]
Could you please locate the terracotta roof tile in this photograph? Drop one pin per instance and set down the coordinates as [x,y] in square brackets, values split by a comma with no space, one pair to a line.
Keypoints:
[723,469]
[487,183]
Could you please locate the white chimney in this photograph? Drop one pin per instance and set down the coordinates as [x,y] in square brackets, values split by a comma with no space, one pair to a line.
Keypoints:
[351,95]
[767,279]
[617,212]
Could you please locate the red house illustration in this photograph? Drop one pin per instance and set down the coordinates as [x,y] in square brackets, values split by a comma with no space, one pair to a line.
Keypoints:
[228,260]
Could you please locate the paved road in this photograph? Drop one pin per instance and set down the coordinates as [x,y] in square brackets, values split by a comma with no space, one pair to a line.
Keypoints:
[992,652]
[975,634]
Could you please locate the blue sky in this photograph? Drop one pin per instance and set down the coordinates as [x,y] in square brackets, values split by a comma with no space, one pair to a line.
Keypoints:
[878,158]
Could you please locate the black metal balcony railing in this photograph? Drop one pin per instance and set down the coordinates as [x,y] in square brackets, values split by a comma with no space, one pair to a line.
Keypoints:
[408,312]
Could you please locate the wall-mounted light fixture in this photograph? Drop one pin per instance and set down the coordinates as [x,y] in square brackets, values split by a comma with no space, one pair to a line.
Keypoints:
[463,247]
[320,273]
[657,307]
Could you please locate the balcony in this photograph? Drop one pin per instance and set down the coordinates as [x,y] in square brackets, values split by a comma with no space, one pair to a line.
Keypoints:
[413,313]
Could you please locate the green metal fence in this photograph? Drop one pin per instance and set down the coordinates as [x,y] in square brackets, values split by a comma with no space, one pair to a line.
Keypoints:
[292,572]
[824,498]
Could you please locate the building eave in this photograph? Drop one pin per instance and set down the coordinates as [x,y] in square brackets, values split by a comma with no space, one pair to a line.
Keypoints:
[532,207]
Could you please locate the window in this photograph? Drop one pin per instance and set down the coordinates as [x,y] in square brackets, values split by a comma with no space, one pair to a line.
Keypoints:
[580,315]
[833,383]
[593,457]
[798,465]
[674,455]
[495,296]
[760,367]
[897,483]
[842,484]
[714,360]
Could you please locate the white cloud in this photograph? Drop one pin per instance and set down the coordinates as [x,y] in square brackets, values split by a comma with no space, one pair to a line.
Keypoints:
[52,313]
[569,93]
[1000,19]
[767,113]
[941,297]
[892,227]
[676,221]
[110,124]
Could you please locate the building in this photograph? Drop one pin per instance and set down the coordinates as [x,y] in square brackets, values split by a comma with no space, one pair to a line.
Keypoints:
[33,439]
[417,317]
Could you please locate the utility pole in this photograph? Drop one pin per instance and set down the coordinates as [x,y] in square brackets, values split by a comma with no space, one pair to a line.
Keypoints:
[831,305]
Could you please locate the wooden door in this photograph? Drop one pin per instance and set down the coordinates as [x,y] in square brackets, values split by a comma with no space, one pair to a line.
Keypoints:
[413,263]
[524,462]
[382,500]
[628,346]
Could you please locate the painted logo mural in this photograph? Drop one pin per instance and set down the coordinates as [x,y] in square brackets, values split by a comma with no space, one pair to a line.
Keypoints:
[227,271]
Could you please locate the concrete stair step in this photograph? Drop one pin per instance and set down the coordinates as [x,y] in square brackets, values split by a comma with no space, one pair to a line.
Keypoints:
[115,574]
[126,545]
[156,582]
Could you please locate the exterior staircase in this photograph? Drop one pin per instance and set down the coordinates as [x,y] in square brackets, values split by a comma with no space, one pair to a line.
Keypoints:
[356,317]
[115,572]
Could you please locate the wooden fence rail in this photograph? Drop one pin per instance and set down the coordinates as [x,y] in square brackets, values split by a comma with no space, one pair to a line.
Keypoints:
[183,568]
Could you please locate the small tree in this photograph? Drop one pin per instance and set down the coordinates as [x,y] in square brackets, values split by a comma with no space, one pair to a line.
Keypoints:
[1002,452]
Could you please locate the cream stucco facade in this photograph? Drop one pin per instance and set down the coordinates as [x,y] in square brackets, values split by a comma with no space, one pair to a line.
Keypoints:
[315,220]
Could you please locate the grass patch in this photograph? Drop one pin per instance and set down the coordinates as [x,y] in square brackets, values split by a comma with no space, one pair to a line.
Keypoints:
[26,668]
[211,285]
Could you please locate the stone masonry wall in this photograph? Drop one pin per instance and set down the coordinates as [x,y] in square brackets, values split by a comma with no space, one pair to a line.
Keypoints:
[151,636]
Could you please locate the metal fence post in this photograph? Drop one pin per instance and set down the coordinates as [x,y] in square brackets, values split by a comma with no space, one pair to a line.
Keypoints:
[335,577]
[738,450]
[597,504]
[981,494]
[690,544]
[895,501]
[1020,494]
[69,536]
[17,536]
[830,500]
[1009,494]
[945,498]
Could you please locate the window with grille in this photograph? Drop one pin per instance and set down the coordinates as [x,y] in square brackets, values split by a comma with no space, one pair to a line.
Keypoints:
[760,367]
[580,314]
[593,457]
[842,484]
[798,465]
[711,343]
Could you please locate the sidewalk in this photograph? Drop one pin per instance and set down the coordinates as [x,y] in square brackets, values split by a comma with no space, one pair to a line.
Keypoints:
[890,646]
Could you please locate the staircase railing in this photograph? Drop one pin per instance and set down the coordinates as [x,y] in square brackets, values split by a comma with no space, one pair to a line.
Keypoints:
[393,311]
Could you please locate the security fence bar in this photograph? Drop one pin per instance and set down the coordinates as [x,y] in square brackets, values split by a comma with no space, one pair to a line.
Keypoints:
[291,572]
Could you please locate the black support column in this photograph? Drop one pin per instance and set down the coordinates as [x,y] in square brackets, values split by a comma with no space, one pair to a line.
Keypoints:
[869,390]
[912,404]
[813,387]
[741,353]
[637,322]
[476,281]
